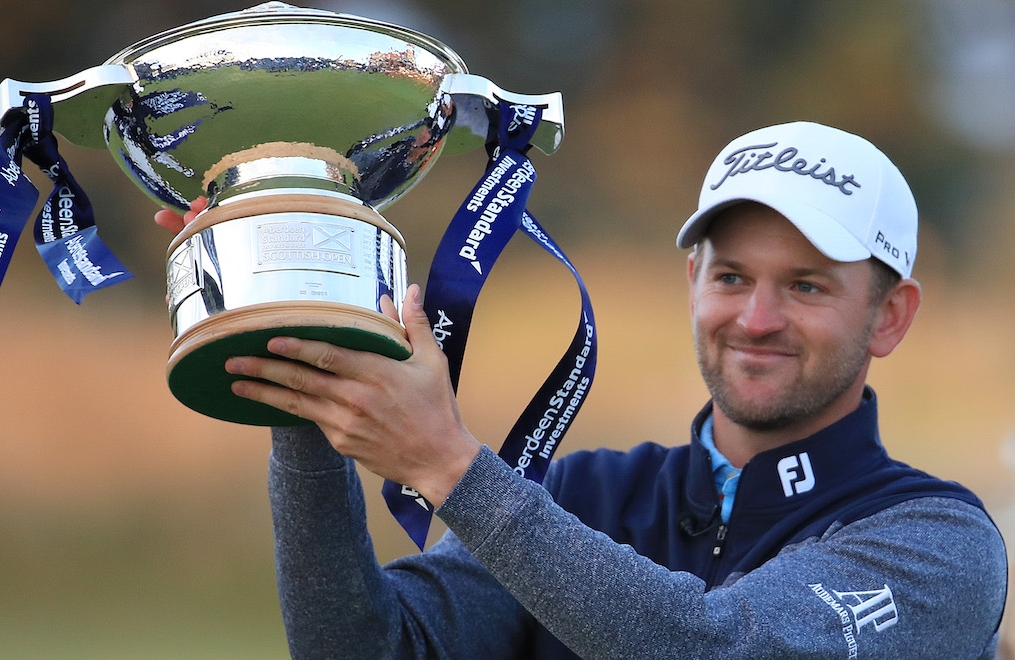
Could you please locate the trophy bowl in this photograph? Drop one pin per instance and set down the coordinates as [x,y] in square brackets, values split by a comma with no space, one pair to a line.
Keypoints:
[299,126]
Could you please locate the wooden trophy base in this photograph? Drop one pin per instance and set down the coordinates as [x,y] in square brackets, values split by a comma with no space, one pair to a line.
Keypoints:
[196,370]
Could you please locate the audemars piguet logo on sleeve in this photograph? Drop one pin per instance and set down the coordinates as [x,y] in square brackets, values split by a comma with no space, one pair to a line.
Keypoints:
[860,612]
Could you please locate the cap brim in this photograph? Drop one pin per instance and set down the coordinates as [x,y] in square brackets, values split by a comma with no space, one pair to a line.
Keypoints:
[824,232]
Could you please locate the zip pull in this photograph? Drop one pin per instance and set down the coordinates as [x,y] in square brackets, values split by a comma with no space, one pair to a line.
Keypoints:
[720,541]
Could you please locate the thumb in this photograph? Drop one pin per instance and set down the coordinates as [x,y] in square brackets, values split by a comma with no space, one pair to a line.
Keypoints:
[417,325]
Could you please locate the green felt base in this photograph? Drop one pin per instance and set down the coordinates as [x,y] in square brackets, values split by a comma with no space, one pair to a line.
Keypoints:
[199,379]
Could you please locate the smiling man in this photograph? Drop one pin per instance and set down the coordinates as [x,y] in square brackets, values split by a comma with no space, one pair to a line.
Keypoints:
[783,530]
[783,333]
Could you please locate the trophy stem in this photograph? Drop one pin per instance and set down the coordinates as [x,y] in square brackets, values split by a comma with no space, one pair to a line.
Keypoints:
[307,264]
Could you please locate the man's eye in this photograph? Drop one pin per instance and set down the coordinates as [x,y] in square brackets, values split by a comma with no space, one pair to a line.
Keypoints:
[807,287]
[729,278]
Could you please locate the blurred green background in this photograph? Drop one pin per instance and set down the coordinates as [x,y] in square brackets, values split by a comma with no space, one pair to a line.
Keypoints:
[131,527]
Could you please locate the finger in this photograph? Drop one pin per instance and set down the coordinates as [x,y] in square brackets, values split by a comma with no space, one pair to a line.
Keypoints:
[300,404]
[289,374]
[198,205]
[417,325]
[322,355]
[169,219]
[388,307]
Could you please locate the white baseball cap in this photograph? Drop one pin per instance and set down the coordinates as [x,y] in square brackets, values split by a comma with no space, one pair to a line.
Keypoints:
[838,189]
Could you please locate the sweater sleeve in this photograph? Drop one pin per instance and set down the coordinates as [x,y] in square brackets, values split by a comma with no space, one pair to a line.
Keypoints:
[338,602]
[899,584]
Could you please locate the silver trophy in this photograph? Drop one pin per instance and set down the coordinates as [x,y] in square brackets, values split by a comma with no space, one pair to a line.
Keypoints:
[299,125]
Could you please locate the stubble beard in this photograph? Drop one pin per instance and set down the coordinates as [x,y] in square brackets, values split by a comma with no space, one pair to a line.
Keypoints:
[804,398]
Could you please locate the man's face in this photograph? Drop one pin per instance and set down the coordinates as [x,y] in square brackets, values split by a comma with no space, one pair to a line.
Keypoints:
[782,332]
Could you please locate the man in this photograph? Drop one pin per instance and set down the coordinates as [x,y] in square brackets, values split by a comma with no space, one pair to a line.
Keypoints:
[782,530]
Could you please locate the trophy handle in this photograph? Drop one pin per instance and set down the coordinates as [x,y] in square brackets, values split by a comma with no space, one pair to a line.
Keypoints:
[473,94]
[80,101]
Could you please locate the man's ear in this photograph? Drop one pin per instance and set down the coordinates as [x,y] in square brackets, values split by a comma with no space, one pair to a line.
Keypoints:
[690,276]
[894,316]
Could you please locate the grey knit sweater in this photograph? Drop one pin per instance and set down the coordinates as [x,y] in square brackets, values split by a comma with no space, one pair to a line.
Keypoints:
[514,558]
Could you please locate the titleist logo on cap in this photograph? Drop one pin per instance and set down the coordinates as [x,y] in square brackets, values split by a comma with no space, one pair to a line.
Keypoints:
[756,158]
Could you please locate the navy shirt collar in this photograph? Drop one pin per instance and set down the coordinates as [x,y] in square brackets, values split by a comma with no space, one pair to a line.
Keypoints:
[786,477]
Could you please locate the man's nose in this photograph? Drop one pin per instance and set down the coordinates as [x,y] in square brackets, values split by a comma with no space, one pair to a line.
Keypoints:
[764,312]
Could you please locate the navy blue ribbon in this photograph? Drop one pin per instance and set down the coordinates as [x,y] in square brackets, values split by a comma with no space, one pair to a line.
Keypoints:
[65,232]
[17,193]
[492,213]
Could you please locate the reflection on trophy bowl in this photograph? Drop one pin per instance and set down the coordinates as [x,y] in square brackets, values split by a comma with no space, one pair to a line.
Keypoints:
[299,125]
[317,99]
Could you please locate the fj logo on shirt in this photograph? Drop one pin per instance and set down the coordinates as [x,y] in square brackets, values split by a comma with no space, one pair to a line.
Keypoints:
[795,482]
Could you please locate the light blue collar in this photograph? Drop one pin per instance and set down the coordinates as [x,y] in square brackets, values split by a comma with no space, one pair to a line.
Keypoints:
[726,476]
